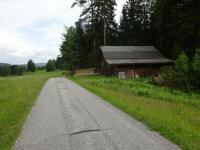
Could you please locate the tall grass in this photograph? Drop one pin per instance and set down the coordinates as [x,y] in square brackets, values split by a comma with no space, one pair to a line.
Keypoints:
[17,96]
[175,114]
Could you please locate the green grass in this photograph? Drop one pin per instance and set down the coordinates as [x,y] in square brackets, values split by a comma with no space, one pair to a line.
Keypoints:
[17,96]
[174,114]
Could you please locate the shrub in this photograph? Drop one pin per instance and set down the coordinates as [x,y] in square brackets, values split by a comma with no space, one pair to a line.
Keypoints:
[50,66]
[196,68]
[143,93]
[178,75]
[31,66]
[182,71]
[167,77]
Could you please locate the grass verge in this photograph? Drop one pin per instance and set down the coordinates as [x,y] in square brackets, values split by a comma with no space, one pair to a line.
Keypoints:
[174,114]
[17,96]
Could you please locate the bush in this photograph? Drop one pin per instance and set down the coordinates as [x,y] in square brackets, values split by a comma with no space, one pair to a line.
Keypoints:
[185,74]
[182,71]
[50,66]
[178,75]
[167,77]
[196,68]
[31,66]
[143,93]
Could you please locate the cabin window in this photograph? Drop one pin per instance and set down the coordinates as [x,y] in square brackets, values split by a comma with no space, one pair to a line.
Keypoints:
[122,75]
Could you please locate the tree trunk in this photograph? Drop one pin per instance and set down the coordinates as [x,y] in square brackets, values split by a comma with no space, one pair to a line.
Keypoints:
[104,24]
[93,26]
[160,24]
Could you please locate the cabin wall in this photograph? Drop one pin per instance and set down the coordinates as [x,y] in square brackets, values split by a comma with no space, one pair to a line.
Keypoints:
[106,69]
[129,72]
[132,71]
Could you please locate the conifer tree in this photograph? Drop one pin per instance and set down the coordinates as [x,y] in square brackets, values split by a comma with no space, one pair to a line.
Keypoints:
[124,25]
[135,23]
[31,66]
[81,46]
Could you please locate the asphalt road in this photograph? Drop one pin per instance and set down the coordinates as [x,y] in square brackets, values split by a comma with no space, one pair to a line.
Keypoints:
[68,117]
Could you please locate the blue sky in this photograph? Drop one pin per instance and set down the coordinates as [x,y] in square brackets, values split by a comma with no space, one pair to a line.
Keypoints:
[31,29]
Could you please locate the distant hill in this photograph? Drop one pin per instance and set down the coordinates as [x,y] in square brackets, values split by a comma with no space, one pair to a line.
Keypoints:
[40,65]
[3,64]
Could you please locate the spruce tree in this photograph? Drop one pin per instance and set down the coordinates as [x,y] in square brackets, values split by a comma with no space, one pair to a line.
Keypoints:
[68,48]
[106,19]
[135,23]
[81,46]
[50,66]
[31,66]
[98,16]
[176,25]
[123,28]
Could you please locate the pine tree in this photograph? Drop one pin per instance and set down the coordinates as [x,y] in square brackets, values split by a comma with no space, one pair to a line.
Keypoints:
[81,46]
[68,48]
[88,15]
[124,25]
[31,66]
[98,16]
[59,63]
[135,23]
[50,66]
[176,25]
[106,19]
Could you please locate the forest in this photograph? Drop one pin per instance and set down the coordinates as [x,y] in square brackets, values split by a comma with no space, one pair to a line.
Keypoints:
[172,26]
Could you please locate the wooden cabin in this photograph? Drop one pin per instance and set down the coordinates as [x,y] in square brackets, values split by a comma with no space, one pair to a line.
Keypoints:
[132,61]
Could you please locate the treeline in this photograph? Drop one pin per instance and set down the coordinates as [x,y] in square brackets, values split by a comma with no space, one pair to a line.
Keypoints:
[7,70]
[172,26]
[53,65]
[17,70]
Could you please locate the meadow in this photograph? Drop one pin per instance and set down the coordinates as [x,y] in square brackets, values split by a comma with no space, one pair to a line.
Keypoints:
[174,114]
[17,96]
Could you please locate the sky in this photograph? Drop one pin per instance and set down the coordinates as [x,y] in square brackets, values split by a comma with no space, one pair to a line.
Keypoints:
[32,29]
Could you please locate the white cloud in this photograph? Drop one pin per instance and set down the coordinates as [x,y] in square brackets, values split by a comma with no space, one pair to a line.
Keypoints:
[13,45]
[16,50]
[31,29]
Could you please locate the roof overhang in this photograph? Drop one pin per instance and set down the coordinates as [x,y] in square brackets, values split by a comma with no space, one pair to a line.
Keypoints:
[137,61]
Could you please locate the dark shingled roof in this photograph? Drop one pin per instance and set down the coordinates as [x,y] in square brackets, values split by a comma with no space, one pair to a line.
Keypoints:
[133,55]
